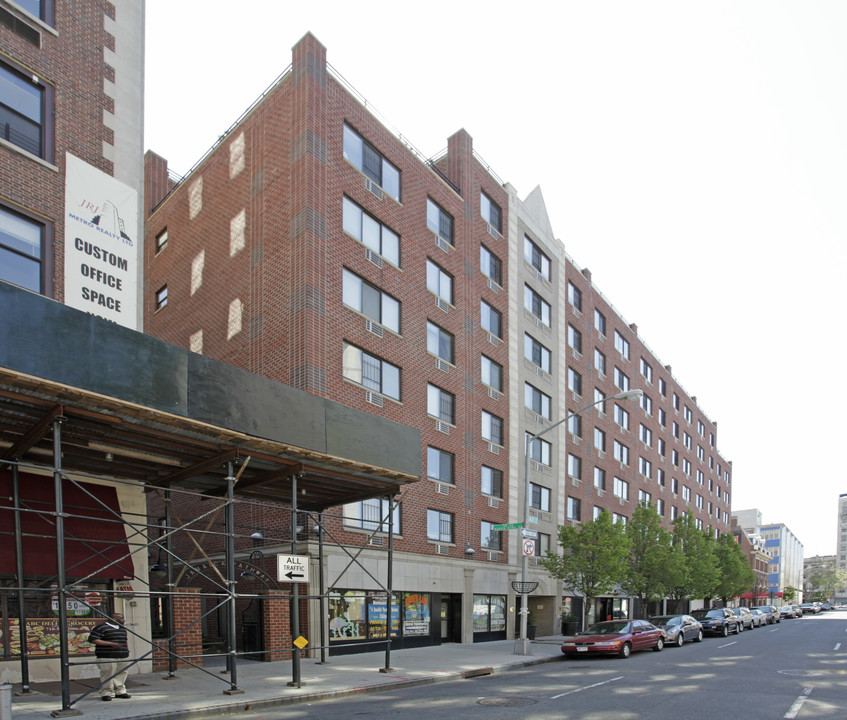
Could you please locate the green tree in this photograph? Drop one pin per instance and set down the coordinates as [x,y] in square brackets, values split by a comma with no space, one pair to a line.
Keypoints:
[647,577]
[822,583]
[593,559]
[734,575]
[789,594]
[694,555]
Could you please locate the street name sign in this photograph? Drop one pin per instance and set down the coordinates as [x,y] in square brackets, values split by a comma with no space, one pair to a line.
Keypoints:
[508,526]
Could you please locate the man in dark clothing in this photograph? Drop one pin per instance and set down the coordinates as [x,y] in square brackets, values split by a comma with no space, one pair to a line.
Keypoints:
[110,645]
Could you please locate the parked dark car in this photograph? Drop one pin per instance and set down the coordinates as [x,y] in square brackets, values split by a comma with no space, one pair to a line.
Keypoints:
[745,617]
[717,621]
[615,637]
[679,628]
[771,612]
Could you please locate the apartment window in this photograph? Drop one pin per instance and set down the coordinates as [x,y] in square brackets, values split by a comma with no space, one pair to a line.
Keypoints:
[646,434]
[621,345]
[575,338]
[539,307]
[371,372]
[675,401]
[675,458]
[599,398]
[161,297]
[575,296]
[621,379]
[372,515]
[539,450]
[21,251]
[439,282]
[542,545]
[439,221]
[536,353]
[439,342]
[490,265]
[574,381]
[492,428]
[42,9]
[491,319]
[675,429]
[24,110]
[370,232]
[645,467]
[574,508]
[367,158]
[575,425]
[539,497]
[599,361]
[663,387]
[699,502]
[663,418]
[622,417]
[686,466]
[370,301]
[686,493]
[621,489]
[660,506]
[619,519]
[597,512]
[490,212]
[599,322]
[647,404]
[439,526]
[574,466]
[621,452]
[489,538]
[643,497]
[660,477]
[492,373]
[686,440]
[536,258]
[599,478]
[646,370]
[661,447]
[700,452]
[162,240]
[674,513]
[439,465]
[686,413]
[492,482]
[701,428]
[599,440]
[440,403]
[536,400]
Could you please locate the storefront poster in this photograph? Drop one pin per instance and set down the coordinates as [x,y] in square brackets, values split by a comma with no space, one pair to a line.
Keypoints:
[42,636]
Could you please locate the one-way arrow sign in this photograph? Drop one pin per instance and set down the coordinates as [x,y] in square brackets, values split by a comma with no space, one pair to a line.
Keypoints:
[292,568]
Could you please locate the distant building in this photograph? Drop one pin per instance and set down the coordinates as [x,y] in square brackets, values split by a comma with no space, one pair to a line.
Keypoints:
[841,543]
[753,546]
[786,565]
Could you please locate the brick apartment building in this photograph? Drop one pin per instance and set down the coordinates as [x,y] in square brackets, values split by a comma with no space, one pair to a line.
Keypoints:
[314,247]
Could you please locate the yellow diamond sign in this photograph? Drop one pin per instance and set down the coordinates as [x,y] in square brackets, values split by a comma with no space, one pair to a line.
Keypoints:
[301,642]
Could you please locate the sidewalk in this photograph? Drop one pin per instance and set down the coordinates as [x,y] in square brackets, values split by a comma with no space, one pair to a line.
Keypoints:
[194,693]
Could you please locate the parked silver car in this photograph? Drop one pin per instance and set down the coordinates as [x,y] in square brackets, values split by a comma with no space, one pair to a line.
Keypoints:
[679,628]
[759,618]
[745,618]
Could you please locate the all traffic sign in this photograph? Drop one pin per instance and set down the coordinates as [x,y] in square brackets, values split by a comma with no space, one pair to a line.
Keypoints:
[292,568]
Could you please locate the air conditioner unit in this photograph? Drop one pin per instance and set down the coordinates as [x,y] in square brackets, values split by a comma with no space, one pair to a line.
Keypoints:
[374,328]
[373,257]
[494,448]
[493,339]
[376,541]
[374,399]
[442,304]
[493,232]
[442,427]
[493,285]
[442,488]
[441,365]
[442,243]
[493,502]
[493,556]
[442,549]
[371,186]
[493,394]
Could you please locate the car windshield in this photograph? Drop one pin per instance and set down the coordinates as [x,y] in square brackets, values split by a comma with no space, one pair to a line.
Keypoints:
[701,614]
[607,628]
[666,620]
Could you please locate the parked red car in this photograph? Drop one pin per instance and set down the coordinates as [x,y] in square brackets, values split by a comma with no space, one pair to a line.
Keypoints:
[615,637]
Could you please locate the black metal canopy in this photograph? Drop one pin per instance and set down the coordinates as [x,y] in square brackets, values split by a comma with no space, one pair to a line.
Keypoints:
[136,408]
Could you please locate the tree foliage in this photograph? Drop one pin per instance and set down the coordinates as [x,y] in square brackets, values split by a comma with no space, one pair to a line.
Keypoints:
[650,556]
[593,558]
[735,576]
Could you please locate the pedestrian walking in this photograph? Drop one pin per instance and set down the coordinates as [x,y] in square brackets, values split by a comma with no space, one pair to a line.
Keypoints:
[110,646]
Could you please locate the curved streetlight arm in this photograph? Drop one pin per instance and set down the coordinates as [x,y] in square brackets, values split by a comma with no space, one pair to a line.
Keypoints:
[522,645]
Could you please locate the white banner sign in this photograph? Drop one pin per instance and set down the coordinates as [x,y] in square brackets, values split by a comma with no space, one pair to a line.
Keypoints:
[101,244]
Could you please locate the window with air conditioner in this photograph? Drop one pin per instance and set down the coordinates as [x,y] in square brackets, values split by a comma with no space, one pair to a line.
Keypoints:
[371,232]
[439,526]
[539,497]
[371,372]
[492,428]
[490,265]
[621,345]
[439,221]
[370,301]
[575,296]
[539,450]
[536,353]
[537,401]
[490,212]
[489,538]
[366,158]
[535,257]
[440,404]
[599,478]
[439,342]
[491,319]
[491,373]
[439,465]
[536,305]
[574,509]
[492,482]
[439,282]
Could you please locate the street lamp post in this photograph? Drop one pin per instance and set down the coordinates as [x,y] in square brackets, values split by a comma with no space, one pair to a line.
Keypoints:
[522,644]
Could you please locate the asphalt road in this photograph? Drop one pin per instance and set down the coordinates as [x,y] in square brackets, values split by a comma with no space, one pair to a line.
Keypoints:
[796,669]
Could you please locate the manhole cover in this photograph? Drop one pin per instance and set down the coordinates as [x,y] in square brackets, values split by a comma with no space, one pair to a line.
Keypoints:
[801,673]
[507,701]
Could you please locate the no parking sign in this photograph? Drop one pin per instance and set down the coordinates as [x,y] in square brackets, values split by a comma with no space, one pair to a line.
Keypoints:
[528,546]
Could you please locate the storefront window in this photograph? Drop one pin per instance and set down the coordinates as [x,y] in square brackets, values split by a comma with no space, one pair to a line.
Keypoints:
[489,613]
[359,615]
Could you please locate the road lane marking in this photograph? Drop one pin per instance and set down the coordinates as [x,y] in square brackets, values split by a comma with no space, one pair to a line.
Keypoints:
[728,644]
[798,703]
[586,687]
[837,646]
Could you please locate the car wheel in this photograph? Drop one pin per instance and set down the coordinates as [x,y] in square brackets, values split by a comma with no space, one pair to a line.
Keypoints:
[660,644]
[699,637]
[725,631]
[625,651]
[680,640]
[739,627]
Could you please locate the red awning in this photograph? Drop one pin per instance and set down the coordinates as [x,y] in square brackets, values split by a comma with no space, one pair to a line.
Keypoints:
[94,537]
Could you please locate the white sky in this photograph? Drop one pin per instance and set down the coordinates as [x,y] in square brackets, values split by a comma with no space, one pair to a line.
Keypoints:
[692,154]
